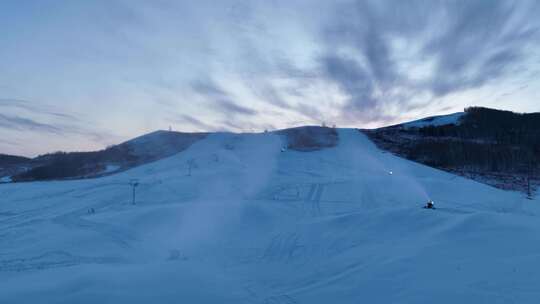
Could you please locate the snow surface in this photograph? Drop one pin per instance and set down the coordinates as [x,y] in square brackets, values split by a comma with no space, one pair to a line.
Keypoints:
[253,224]
[5,179]
[450,119]
[110,168]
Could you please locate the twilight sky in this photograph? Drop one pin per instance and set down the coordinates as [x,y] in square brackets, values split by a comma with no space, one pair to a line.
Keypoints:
[81,75]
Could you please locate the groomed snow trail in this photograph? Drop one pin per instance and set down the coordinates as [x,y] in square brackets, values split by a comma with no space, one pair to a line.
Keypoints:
[253,224]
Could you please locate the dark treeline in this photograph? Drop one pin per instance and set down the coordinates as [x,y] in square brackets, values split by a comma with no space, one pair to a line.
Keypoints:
[472,156]
[489,140]
[8,160]
[502,127]
[61,165]
[69,165]
[486,141]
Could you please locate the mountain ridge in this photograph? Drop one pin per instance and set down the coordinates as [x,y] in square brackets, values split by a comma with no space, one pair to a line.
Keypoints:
[141,150]
[426,140]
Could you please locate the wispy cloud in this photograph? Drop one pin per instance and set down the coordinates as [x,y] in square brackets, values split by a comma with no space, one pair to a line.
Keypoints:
[10,142]
[32,107]
[20,123]
[228,107]
[221,100]
[192,121]
[468,43]
[26,116]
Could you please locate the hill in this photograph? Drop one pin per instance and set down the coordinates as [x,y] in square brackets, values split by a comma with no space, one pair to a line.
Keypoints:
[10,165]
[114,159]
[500,148]
[141,150]
[253,224]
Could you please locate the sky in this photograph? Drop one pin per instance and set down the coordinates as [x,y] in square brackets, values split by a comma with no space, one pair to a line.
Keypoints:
[83,75]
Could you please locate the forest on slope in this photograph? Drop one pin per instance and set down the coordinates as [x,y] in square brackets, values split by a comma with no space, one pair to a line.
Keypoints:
[500,148]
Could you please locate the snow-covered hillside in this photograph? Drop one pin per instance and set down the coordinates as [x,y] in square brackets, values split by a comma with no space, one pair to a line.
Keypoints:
[252,224]
[441,120]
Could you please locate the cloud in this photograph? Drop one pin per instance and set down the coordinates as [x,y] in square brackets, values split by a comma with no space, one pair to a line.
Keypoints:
[481,41]
[10,142]
[32,107]
[221,100]
[388,58]
[228,107]
[26,116]
[207,88]
[197,123]
[19,123]
[468,43]
[15,122]
[352,79]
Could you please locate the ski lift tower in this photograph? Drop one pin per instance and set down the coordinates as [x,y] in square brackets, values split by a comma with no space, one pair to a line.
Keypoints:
[134,183]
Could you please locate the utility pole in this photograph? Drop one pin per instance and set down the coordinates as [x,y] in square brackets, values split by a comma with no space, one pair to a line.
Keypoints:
[191,164]
[133,183]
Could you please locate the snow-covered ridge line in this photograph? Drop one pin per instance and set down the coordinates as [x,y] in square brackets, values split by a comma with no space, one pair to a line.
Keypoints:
[146,148]
[435,121]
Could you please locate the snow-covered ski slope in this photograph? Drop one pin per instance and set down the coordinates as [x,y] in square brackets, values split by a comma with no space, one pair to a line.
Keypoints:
[253,224]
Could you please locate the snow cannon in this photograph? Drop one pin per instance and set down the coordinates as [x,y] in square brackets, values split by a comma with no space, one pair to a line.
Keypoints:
[430,205]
